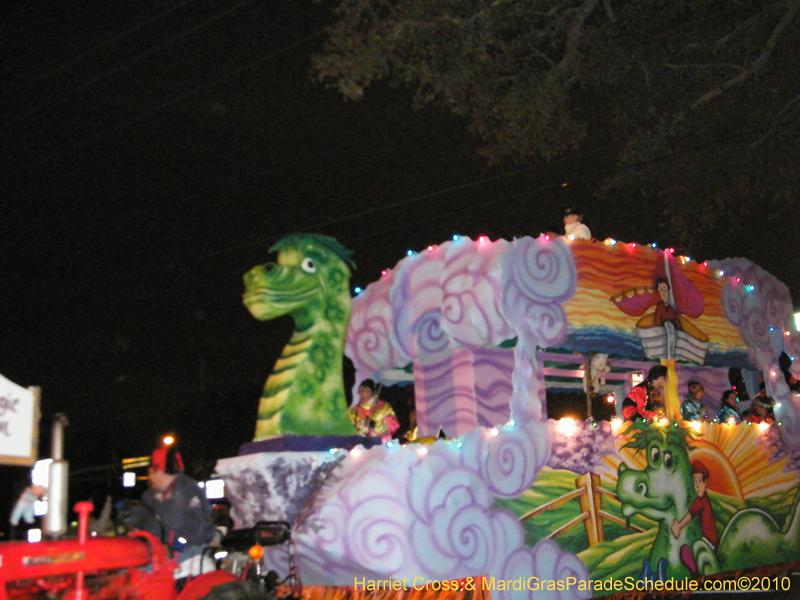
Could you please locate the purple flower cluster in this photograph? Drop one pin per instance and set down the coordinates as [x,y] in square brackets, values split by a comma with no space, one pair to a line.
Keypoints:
[583,450]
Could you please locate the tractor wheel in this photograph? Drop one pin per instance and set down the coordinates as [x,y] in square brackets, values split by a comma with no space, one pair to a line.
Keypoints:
[238,590]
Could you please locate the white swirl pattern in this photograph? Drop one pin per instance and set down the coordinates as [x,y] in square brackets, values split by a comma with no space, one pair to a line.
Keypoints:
[546,562]
[403,512]
[417,278]
[456,296]
[370,339]
[755,302]
[471,285]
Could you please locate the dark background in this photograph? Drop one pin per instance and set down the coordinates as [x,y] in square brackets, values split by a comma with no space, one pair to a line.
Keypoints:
[154,151]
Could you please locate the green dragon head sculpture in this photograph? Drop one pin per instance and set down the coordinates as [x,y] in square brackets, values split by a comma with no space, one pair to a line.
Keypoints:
[304,395]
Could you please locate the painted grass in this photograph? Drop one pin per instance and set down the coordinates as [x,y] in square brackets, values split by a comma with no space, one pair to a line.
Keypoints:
[622,553]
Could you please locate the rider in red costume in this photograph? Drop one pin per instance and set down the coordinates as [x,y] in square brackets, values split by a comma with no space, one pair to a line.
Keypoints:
[644,400]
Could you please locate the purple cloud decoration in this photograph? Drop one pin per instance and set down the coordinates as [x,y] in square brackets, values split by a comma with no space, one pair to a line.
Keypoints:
[761,307]
[427,512]
[467,294]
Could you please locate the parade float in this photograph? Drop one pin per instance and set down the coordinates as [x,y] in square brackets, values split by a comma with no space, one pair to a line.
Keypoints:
[509,502]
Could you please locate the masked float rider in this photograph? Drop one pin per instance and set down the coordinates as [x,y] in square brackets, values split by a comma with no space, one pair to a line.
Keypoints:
[692,407]
[373,416]
[645,400]
[727,411]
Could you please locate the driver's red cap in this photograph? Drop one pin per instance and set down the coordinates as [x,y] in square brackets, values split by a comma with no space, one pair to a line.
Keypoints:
[158,462]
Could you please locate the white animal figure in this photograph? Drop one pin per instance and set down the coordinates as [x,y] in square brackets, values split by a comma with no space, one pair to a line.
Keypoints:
[594,373]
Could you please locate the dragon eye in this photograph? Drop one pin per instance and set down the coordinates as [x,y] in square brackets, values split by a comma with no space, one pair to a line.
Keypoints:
[668,459]
[654,454]
[308,266]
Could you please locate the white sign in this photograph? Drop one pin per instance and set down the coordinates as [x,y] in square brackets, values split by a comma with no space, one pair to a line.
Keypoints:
[19,423]
[215,489]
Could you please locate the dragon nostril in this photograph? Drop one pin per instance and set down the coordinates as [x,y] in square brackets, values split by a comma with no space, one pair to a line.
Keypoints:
[269,267]
[641,488]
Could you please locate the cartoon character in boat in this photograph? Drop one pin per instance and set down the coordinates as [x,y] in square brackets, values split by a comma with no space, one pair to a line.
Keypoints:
[667,332]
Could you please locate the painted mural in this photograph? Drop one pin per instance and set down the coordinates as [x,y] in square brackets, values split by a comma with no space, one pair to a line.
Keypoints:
[660,501]
[522,504]
[667,332]
[676,303]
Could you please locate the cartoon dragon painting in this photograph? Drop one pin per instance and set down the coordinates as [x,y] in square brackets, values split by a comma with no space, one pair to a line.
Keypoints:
[664,490]
[304,395]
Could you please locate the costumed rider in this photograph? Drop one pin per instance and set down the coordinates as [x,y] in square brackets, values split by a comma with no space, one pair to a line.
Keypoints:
[762,408]
[182,511]
[573,225]
[373,416]
[761,411]
[727,412]
[692,407]
[23,509]
[645,400]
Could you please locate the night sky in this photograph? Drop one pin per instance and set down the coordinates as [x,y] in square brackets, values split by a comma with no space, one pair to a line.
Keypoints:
[154,151]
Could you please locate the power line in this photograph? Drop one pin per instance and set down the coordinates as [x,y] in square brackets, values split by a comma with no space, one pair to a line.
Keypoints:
[176,100]
[142,116]
[134,60]
[94,47]
[328,223]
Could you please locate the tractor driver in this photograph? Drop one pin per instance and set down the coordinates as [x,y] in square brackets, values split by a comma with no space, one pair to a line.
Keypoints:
[182,511]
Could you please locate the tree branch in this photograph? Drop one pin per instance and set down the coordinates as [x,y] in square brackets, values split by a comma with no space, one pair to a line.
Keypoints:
[708,66]
[787,107]
[722,41]
[713,47]
[609,11]
[574,33]
[779,115]
[757,65]
[554,10]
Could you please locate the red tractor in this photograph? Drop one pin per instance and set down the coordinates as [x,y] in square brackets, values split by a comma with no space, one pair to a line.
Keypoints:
[135,567]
